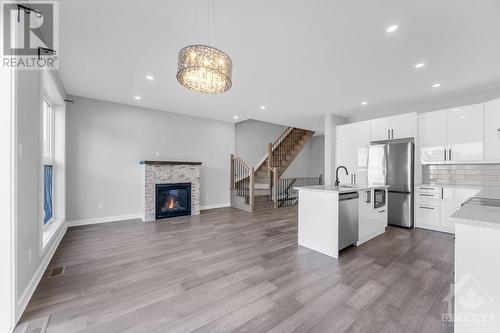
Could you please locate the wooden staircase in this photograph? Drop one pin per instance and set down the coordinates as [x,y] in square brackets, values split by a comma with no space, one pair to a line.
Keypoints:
[252,188]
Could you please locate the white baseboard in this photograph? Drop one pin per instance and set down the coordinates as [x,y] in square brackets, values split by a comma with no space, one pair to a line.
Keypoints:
[222,205]
[23,301]
[105,219]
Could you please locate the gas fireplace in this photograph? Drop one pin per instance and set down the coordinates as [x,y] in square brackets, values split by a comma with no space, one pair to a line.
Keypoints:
[173,200]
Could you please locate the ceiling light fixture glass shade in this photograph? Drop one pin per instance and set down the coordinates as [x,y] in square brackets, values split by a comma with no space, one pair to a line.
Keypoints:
[204,69]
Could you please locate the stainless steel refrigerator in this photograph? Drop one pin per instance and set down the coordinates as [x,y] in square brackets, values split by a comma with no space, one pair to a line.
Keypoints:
[392,163]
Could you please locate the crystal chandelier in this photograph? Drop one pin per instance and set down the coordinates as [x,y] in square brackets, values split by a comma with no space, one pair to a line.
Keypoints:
[204,69]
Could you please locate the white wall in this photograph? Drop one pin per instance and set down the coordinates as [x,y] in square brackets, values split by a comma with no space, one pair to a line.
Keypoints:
[106,141]
[29,268]
[6,200]
[253,136]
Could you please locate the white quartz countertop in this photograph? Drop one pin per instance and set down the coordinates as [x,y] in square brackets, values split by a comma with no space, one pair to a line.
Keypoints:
[486,216]
[340,189]
[452,186]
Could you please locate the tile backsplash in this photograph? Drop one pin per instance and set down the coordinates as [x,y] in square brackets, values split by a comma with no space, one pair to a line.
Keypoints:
[462,174]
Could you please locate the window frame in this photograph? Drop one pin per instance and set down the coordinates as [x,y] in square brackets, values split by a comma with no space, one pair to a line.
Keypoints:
[48,160]
[52,92]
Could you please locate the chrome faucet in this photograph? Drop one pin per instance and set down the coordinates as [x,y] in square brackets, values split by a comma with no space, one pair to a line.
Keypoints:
[337,181]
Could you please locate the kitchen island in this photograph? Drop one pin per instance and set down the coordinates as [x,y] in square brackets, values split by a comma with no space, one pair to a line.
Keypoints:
[333,217]
[477,272]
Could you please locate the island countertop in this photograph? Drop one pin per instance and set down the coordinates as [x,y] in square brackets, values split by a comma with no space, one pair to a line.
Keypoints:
[486,216]
[341,188]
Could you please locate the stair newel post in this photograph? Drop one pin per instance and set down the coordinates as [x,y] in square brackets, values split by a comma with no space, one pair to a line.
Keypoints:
[270,164]
[275,187]
[251,188]
[231,167]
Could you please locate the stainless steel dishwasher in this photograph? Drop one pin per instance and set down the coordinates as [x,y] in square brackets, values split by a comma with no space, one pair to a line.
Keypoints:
[348,219]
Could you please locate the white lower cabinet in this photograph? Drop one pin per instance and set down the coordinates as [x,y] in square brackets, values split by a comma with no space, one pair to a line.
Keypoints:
[372,221]
[434,206]
[427,217]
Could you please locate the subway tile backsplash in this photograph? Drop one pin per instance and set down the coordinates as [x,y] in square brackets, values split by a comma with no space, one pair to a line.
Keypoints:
[462,174]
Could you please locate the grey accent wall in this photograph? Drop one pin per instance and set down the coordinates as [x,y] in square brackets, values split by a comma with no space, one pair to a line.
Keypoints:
[462,174]
[252,138]
[107,140]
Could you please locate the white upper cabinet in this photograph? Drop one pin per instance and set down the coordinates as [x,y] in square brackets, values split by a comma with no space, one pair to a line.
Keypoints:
[492,130]
[402,126]
[433,135]
[352,150]
[380,129]
[396,127]
[466,133]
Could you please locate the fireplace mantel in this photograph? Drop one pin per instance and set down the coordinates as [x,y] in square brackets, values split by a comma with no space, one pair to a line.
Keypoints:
[169,163]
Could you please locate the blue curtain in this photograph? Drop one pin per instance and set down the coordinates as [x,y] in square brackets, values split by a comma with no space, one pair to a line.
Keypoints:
[47,201]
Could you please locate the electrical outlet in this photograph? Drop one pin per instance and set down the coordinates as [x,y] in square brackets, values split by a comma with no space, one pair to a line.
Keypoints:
[100,206]
[29,256]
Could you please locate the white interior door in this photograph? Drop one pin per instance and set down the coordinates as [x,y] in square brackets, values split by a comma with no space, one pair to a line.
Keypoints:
[433,136]
[492,130]
[465,133]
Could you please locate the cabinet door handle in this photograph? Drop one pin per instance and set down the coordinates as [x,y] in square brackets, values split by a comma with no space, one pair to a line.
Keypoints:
[381,211]
[388,134]
[449,155]
[442,193]
[445,154]
[427,208]
[426,188]
[426,195]
[392,133]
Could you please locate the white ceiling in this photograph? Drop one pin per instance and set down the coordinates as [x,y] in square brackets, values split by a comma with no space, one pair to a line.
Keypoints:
[301,59]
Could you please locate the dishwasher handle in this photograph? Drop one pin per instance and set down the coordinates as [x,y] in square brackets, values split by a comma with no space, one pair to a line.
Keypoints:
[348,196]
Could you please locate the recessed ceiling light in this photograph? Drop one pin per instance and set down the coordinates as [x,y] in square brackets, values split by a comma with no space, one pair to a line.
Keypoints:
[455,110]
[436,85]
[392,28]
[137,98]
[262,107]
[420,65]
[235,117]
[364,103]
[150,77]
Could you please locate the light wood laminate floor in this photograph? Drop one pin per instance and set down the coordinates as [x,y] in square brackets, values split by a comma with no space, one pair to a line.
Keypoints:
[228,270]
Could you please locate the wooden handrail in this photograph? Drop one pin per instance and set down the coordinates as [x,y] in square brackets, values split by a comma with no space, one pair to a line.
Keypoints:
[282,137]
[241,161]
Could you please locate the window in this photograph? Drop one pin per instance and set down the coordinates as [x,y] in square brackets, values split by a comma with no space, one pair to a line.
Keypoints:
[48,160]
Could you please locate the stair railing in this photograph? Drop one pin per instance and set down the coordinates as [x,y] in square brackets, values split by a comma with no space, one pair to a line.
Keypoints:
[277,152]
[242,179]
[285,193]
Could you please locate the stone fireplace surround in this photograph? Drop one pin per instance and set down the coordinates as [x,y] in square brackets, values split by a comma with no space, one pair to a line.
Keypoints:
[169,172]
